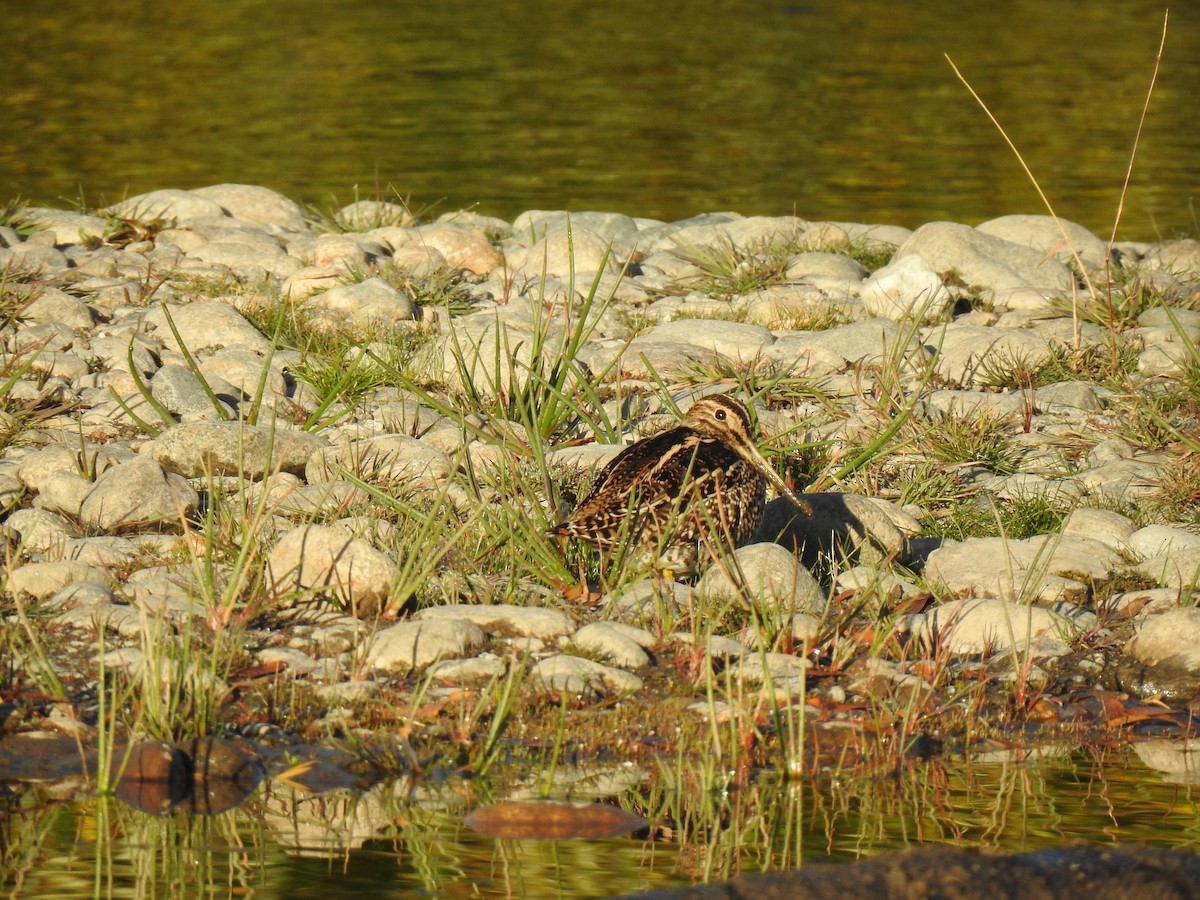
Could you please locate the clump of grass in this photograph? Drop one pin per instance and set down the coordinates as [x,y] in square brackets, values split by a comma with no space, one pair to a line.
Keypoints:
[980,516]
[440,288]
[820,317]
[728,271]
[121,231]
[14,214]
[1178,495]
[1106,364]
[867,252]
[388,208]
[982,440]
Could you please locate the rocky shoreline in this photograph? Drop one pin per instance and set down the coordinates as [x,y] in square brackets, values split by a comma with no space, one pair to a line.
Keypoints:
[145,395]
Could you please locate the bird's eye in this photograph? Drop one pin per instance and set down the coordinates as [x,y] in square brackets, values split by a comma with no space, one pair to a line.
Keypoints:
[720,414]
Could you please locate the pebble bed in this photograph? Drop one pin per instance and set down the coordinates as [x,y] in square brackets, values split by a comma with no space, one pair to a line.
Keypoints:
[80,483]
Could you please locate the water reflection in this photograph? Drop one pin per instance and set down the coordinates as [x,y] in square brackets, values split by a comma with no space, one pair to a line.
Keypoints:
[406,835]
[839,111]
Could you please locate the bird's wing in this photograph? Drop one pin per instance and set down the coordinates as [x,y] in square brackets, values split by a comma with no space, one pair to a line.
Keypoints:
[656,470]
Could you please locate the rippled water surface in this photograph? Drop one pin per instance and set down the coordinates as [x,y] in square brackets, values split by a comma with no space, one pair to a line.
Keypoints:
[404,839]
[845,111]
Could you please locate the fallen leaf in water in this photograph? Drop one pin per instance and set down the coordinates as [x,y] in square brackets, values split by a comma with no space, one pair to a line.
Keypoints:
[532,820]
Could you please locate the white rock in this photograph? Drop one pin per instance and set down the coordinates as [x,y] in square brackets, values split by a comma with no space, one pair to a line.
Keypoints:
[612,642]
[582,677]
[1154,540]
[907,288]
[771,576]
[989,626]
[1171,638]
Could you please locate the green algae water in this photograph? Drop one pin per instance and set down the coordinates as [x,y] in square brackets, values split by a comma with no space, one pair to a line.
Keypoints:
[843,111]
[404,838]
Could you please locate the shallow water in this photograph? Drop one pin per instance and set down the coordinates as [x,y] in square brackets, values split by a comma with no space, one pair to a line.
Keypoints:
[844,111]
[401,839]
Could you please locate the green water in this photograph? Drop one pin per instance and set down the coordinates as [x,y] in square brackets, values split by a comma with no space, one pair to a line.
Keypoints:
[401,839]
[845,111]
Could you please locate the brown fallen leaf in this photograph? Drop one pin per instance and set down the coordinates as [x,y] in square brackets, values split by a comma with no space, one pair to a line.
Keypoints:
[253,673]
[542,820]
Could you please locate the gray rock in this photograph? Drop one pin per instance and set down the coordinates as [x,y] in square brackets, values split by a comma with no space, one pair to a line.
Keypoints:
[553,254]
[777,670]
[1044,568]
[1104,525]
[382,459]
[52,305]
[306,502]
[242,371]
[1125,481]
[324,559]
[505,619]
[139,492]
[410,646]
[1154,540]
[732,340]
[861,343]
[206,323]
[1169,639]
[64,227]
[1046,235]
[115,617]
[34,468]
[368,303]
[168,204]
[63,492]
[11,492]
[783,306]
[479,670]
[82,594]
[999,268]
[255,205]
[582,677]
[771,577]
[251,254]
[648,599]
[108,551]
[195,449]
[38,531]
[295,661]
[463,249]
[365,215]
[41,579]
[27,257]
[1177,568]
[608,225]
[309,280]
[972,356]
[178,388]
[837,523]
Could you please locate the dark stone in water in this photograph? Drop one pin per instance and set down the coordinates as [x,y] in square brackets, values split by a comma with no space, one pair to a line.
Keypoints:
[1072,871]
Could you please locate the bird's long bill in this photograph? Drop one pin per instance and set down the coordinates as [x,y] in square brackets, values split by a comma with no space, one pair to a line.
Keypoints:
[751,453]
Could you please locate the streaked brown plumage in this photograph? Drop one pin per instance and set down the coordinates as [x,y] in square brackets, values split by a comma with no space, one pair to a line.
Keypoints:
[680,486]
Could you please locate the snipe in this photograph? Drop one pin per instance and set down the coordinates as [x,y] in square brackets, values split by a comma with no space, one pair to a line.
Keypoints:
[700,483]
